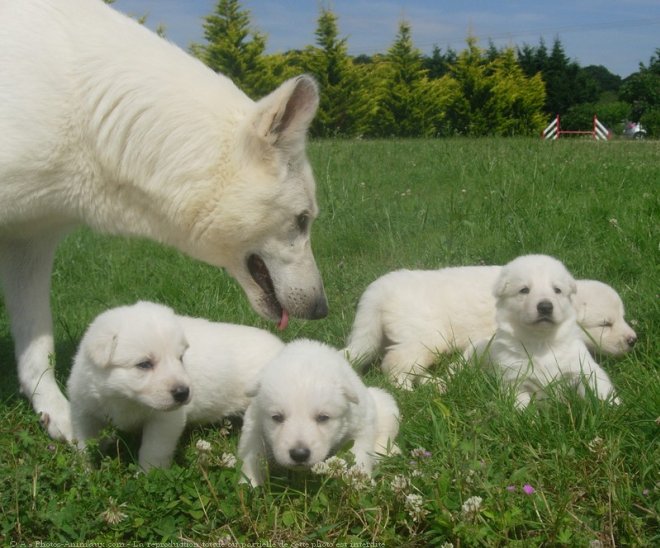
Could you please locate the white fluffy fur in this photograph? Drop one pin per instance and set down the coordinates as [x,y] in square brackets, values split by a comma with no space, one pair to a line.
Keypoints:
[109,383]
[538,340]
[308,402]
[106,124]
[414,315]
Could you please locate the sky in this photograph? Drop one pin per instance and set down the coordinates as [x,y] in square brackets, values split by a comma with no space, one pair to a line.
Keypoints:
[618,34]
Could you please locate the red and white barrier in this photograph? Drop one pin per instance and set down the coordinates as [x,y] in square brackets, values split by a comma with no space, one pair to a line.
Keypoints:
[554,131]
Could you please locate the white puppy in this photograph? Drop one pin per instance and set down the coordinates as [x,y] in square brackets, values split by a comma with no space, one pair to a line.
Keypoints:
[144,367]
[538,340]
[414,315]
[307,403]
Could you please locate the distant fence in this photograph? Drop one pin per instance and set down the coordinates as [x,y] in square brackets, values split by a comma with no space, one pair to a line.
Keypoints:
[554,131]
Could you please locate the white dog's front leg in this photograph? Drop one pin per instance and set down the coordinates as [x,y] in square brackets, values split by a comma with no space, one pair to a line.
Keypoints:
[160,436]
[364,452]
[251,450]
[25,268]
[598,380]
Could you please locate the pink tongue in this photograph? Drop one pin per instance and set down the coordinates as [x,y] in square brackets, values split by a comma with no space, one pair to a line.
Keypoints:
[284,320]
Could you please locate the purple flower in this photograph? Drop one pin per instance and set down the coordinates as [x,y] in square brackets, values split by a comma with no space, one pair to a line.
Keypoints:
[528,489]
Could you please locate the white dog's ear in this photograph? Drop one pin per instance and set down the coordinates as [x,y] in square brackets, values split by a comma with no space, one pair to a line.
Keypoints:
[284,116]
[100,349]
[350,394]
[500,286]
[253,389]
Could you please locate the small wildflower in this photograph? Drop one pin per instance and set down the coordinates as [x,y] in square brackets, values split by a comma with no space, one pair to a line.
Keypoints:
[113,515]
[646,492]
[335,467]
[595,444]
[225,541]
[357,478]
[414,505]
[420,453]
[472,506]
[203,446]
[511,488]
[225,428]
[400,484]
[446,545]
[528,489]
[614,222]
[595,544]
[227,460]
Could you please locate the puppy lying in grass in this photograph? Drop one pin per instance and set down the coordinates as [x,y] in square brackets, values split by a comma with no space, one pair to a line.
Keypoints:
[538,340]
[306,404]
[142,367]
[412,316]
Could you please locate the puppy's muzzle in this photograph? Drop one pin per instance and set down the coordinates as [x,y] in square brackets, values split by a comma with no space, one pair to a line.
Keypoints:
[180,393]
[632,340]
[299,454]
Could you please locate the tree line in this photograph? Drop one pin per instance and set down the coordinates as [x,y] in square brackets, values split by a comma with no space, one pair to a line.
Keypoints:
[403,93]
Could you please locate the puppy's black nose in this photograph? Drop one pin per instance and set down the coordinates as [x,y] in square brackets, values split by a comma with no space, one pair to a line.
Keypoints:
[180,393]
[631,341]
[320,309]
[544,307]
[299,454]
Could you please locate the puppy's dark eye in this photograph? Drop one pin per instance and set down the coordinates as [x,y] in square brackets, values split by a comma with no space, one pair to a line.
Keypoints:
[278,417]
[524,290]
[607,324]
[557,290]
[146,365]
[322,417]
[302,221]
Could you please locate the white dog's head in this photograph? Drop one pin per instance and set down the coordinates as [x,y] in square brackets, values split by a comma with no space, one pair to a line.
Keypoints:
[601,314]
[259,227]
[136,352]
[306,403]
[534,292]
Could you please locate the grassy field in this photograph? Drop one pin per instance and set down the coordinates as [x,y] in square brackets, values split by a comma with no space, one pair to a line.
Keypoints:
[473,471]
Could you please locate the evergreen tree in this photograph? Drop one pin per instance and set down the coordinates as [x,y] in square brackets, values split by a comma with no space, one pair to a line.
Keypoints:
[406,101]
[234,50]
[341,106]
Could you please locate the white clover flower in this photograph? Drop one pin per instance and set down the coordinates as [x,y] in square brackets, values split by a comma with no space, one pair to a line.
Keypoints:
[595,544]
[472,506]
[420,453]
[596,445]
[414,505]
[113,515]
[358,478]
[335,467]
[203,446]
[227,460]
[400,484]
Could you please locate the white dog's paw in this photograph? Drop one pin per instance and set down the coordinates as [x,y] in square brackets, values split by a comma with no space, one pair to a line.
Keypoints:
[55,416]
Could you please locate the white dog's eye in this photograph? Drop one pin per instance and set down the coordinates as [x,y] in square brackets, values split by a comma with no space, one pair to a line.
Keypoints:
[278,417]
[146,364]
[607,324]
[322,417]
[524,290]
[557,290]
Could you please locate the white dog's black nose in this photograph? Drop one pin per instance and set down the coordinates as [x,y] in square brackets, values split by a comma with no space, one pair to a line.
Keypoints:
[180,393]
[544,307]
[299,454]
[631,340]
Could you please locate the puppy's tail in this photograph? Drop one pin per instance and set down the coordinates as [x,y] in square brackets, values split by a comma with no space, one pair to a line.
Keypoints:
[367,337]
[388,418]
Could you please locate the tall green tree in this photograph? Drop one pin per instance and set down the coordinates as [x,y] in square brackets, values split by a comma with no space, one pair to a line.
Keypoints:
[234,49]
[642,91]
[342,106]
[406,105]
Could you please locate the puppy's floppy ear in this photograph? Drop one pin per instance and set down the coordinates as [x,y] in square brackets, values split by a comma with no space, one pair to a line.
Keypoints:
[253,389]
[100,349]
[350,394]
[501,285]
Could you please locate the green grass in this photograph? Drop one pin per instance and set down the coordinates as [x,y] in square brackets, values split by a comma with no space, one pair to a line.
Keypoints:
[386,205]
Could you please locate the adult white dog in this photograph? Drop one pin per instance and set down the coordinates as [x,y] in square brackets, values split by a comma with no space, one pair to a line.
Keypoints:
[104,123]
[142,367]
[307,403]
[538,340]
[415,315]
